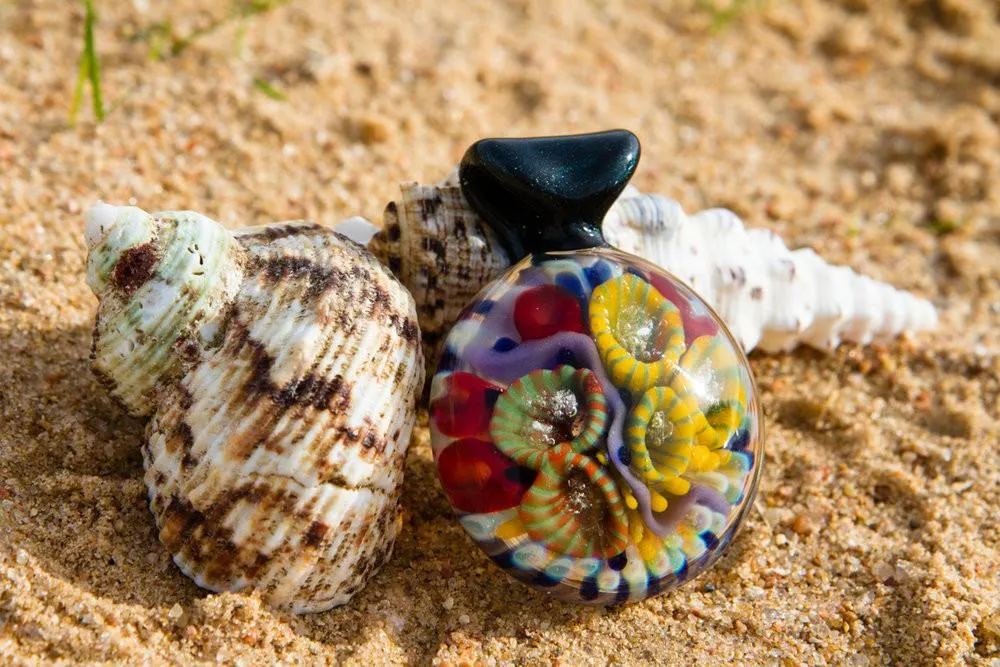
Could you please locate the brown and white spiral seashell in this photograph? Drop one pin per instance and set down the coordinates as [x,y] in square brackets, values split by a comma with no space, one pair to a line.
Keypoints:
[770,297]
[281,367]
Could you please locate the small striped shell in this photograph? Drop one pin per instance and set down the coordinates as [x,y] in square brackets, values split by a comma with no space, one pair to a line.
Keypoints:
[441,250]
[280,366]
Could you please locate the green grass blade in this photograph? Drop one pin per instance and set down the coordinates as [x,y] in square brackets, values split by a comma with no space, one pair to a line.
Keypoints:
[269,90]
[725,12]
[93,66]
[89,69]
[81,78]
[238,10]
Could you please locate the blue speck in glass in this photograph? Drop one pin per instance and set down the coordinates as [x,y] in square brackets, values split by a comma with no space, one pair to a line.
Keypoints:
[618,562]
[504,344]
[483,307]
[588,589]
[505,560]
[622,595]
[448,361]
[597,273]
[709,538]
[624,455]
[571,284]
[544,580]
[567,357]
[740,440]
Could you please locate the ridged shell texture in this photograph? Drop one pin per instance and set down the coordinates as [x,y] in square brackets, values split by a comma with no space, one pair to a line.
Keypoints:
[281,367]
[442,251]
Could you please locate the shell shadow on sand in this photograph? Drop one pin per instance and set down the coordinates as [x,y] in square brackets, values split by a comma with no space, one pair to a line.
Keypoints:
[80,514]
[75,478]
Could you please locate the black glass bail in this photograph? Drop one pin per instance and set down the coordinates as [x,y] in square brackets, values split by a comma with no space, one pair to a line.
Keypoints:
[548,193]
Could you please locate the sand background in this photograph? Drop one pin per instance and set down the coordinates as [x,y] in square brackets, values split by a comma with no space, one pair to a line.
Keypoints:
[869,129]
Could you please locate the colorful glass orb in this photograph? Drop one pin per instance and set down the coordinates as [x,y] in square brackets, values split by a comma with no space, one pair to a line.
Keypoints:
[596,427]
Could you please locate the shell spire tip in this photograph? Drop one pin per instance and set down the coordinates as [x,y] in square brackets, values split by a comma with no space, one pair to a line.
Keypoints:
[101,217]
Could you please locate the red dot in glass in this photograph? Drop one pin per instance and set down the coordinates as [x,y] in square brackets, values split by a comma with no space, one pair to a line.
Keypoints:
[545,310]
[474,474]
[466,405]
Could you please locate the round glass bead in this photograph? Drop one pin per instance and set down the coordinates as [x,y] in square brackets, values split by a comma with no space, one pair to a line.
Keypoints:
[596,427]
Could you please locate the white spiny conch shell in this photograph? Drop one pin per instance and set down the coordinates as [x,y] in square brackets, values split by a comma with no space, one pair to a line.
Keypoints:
[281,367]
[771,298]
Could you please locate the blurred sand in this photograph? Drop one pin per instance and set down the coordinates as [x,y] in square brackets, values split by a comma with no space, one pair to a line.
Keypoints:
[855,126]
